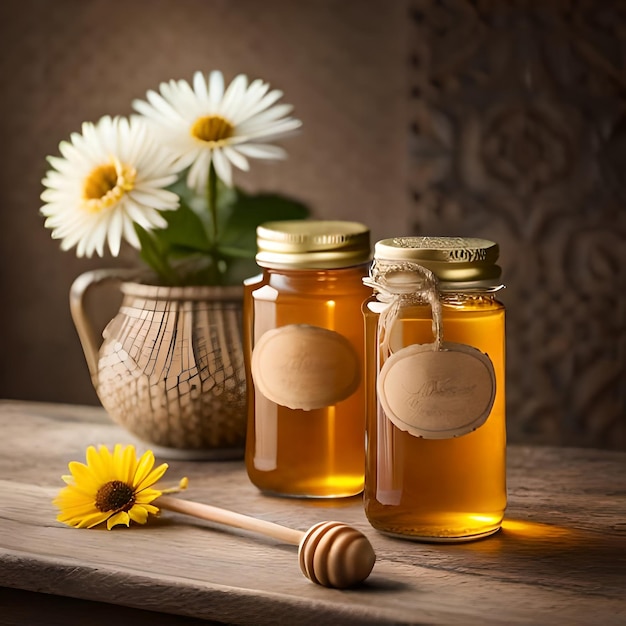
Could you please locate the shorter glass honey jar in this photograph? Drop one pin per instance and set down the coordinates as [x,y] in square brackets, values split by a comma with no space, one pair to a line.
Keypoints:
[304,345]
[435,387]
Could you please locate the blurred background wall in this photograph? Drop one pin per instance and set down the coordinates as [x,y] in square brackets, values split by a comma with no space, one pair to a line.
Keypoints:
[503,120]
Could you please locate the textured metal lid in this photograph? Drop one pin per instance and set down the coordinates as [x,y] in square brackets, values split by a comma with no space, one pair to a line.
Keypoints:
[312,244]
[455,261]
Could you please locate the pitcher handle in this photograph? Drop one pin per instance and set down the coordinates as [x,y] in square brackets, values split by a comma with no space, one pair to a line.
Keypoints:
[84,326]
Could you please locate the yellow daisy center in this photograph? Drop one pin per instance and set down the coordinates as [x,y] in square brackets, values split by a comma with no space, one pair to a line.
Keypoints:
[212,129]
[107,184]
[115,496]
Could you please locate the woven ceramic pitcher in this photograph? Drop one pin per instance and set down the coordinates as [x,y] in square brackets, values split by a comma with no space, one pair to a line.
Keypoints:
[170,366]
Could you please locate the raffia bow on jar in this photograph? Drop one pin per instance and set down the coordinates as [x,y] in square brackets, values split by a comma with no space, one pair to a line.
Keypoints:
[433,390]
[401,284]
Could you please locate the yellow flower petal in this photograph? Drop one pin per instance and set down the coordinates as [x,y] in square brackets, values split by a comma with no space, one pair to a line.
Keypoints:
[77,512]
[152,477]
[106,460]
[84,478]
[147,495]
[75,507]
[129,464]
[151,509]
[119,518]
[85,520]
[97,465]
[138,514]
[146,463]
[72,493]
[124,462]
[89,521]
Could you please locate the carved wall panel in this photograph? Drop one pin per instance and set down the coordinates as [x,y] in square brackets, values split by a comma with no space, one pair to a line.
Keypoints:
[518,134]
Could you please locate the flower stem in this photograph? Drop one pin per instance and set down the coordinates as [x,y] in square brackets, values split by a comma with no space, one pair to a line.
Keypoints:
[212,200]
[215,276]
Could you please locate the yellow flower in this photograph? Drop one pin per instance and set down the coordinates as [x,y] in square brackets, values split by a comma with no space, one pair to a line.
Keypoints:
[112,487]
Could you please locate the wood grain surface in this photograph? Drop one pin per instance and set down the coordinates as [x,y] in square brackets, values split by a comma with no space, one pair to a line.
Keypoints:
[559,559]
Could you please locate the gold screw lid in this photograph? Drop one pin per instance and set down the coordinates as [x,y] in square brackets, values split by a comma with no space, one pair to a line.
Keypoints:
[457,262]
[312,244]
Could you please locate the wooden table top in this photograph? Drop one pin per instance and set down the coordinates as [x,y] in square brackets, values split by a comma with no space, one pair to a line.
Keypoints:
[559,559]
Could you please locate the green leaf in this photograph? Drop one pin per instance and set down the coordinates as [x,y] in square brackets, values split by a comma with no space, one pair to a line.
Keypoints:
[236,253]
[184,228]
[238,270]
[250,211]
[153,253]
[189,250]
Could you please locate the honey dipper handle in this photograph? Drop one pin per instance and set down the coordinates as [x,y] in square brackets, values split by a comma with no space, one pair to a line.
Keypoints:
[229,518]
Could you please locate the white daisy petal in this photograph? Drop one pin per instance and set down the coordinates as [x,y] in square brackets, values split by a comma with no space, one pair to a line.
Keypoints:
[80,247]
[236,158]
[233,97]
[200,87]
[222,167]
[270,115]
[199,172]
[129,233]
[147,219]
[146,198]
[185,93]
[256,90]
[262,151]
[187,158]
[216,90]
[265,121]
[262,104]
[114,236]
[168,90]
[95,240]
[87,193]
[162,109]
[280,129]
[95,237]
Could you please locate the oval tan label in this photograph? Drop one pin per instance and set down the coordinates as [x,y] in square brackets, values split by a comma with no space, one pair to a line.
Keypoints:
[305,367]
[437,394]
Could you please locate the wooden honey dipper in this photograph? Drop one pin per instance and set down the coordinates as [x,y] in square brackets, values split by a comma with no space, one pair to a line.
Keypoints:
[331,554]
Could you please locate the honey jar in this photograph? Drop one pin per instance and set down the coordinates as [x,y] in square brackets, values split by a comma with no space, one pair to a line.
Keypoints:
[304,351]
[435,388]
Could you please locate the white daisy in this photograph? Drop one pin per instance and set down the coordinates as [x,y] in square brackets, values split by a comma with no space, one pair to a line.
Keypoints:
[209,124]
[109,178]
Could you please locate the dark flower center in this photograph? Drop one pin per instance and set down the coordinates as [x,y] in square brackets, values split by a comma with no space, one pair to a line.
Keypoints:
[212,128]
[106,185]
[101,180]
[115,496]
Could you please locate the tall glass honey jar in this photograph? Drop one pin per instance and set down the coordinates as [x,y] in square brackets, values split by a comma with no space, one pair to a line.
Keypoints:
[435,388]
[304,351]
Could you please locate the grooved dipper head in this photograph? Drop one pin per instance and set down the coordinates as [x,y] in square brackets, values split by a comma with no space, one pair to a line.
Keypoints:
[334,554]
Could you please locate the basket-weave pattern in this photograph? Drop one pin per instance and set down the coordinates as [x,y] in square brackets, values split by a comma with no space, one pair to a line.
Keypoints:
[171,368]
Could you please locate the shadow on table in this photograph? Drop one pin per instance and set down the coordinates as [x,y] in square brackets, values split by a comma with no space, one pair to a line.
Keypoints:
[555,555]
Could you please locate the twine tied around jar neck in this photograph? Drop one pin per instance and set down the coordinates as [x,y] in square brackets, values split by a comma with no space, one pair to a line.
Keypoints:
[401,284]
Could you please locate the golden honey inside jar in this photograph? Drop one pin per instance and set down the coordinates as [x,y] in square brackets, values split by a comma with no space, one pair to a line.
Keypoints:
[435,371]
[304,347]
